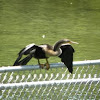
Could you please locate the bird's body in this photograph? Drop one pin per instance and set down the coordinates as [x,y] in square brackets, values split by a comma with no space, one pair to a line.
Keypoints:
[44,51]
[32,51]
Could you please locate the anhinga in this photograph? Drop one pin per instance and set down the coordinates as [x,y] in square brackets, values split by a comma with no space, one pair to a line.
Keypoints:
[60,49]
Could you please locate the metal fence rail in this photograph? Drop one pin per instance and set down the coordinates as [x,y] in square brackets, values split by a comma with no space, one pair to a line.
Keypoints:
[54,65]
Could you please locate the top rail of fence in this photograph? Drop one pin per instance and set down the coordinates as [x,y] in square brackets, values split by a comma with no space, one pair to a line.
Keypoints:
[53,65]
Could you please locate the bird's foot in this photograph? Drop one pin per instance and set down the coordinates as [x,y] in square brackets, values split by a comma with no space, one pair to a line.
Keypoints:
[47,66]
[42,66]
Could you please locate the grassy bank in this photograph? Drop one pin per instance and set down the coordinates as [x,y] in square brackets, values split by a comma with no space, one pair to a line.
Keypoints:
[23,22]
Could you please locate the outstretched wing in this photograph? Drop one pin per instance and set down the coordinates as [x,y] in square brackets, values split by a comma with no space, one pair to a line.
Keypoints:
[25,51]
[25,60]
[67,56]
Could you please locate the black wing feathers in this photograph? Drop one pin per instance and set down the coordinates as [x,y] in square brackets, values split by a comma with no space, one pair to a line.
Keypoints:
[27,50]
[25,60]
[67,56]
[30,51]
[24,51]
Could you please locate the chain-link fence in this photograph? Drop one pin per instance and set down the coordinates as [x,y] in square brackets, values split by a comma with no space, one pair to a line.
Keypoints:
[32,83]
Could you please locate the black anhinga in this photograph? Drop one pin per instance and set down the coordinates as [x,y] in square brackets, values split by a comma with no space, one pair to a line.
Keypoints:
[60,49]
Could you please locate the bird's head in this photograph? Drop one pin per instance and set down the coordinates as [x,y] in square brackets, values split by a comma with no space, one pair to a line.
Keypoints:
[62,42]
[69,41]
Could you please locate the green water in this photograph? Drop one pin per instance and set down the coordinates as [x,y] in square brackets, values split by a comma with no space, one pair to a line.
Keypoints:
[26,21]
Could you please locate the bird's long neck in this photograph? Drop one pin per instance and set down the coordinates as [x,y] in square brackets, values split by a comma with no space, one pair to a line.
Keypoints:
[56,49]
[57,45]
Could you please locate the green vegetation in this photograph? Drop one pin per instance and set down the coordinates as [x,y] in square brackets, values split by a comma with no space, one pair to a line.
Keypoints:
[25,21]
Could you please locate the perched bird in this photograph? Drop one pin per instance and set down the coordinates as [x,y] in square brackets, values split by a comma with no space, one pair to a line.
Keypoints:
[44,51]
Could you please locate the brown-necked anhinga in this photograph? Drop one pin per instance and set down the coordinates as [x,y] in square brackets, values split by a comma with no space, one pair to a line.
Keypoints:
[61,49]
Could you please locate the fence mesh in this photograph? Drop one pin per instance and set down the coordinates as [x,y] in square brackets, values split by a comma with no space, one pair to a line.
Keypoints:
[55,83]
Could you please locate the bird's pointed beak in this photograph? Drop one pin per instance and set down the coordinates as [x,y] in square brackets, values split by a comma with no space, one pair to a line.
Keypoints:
[74,42]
